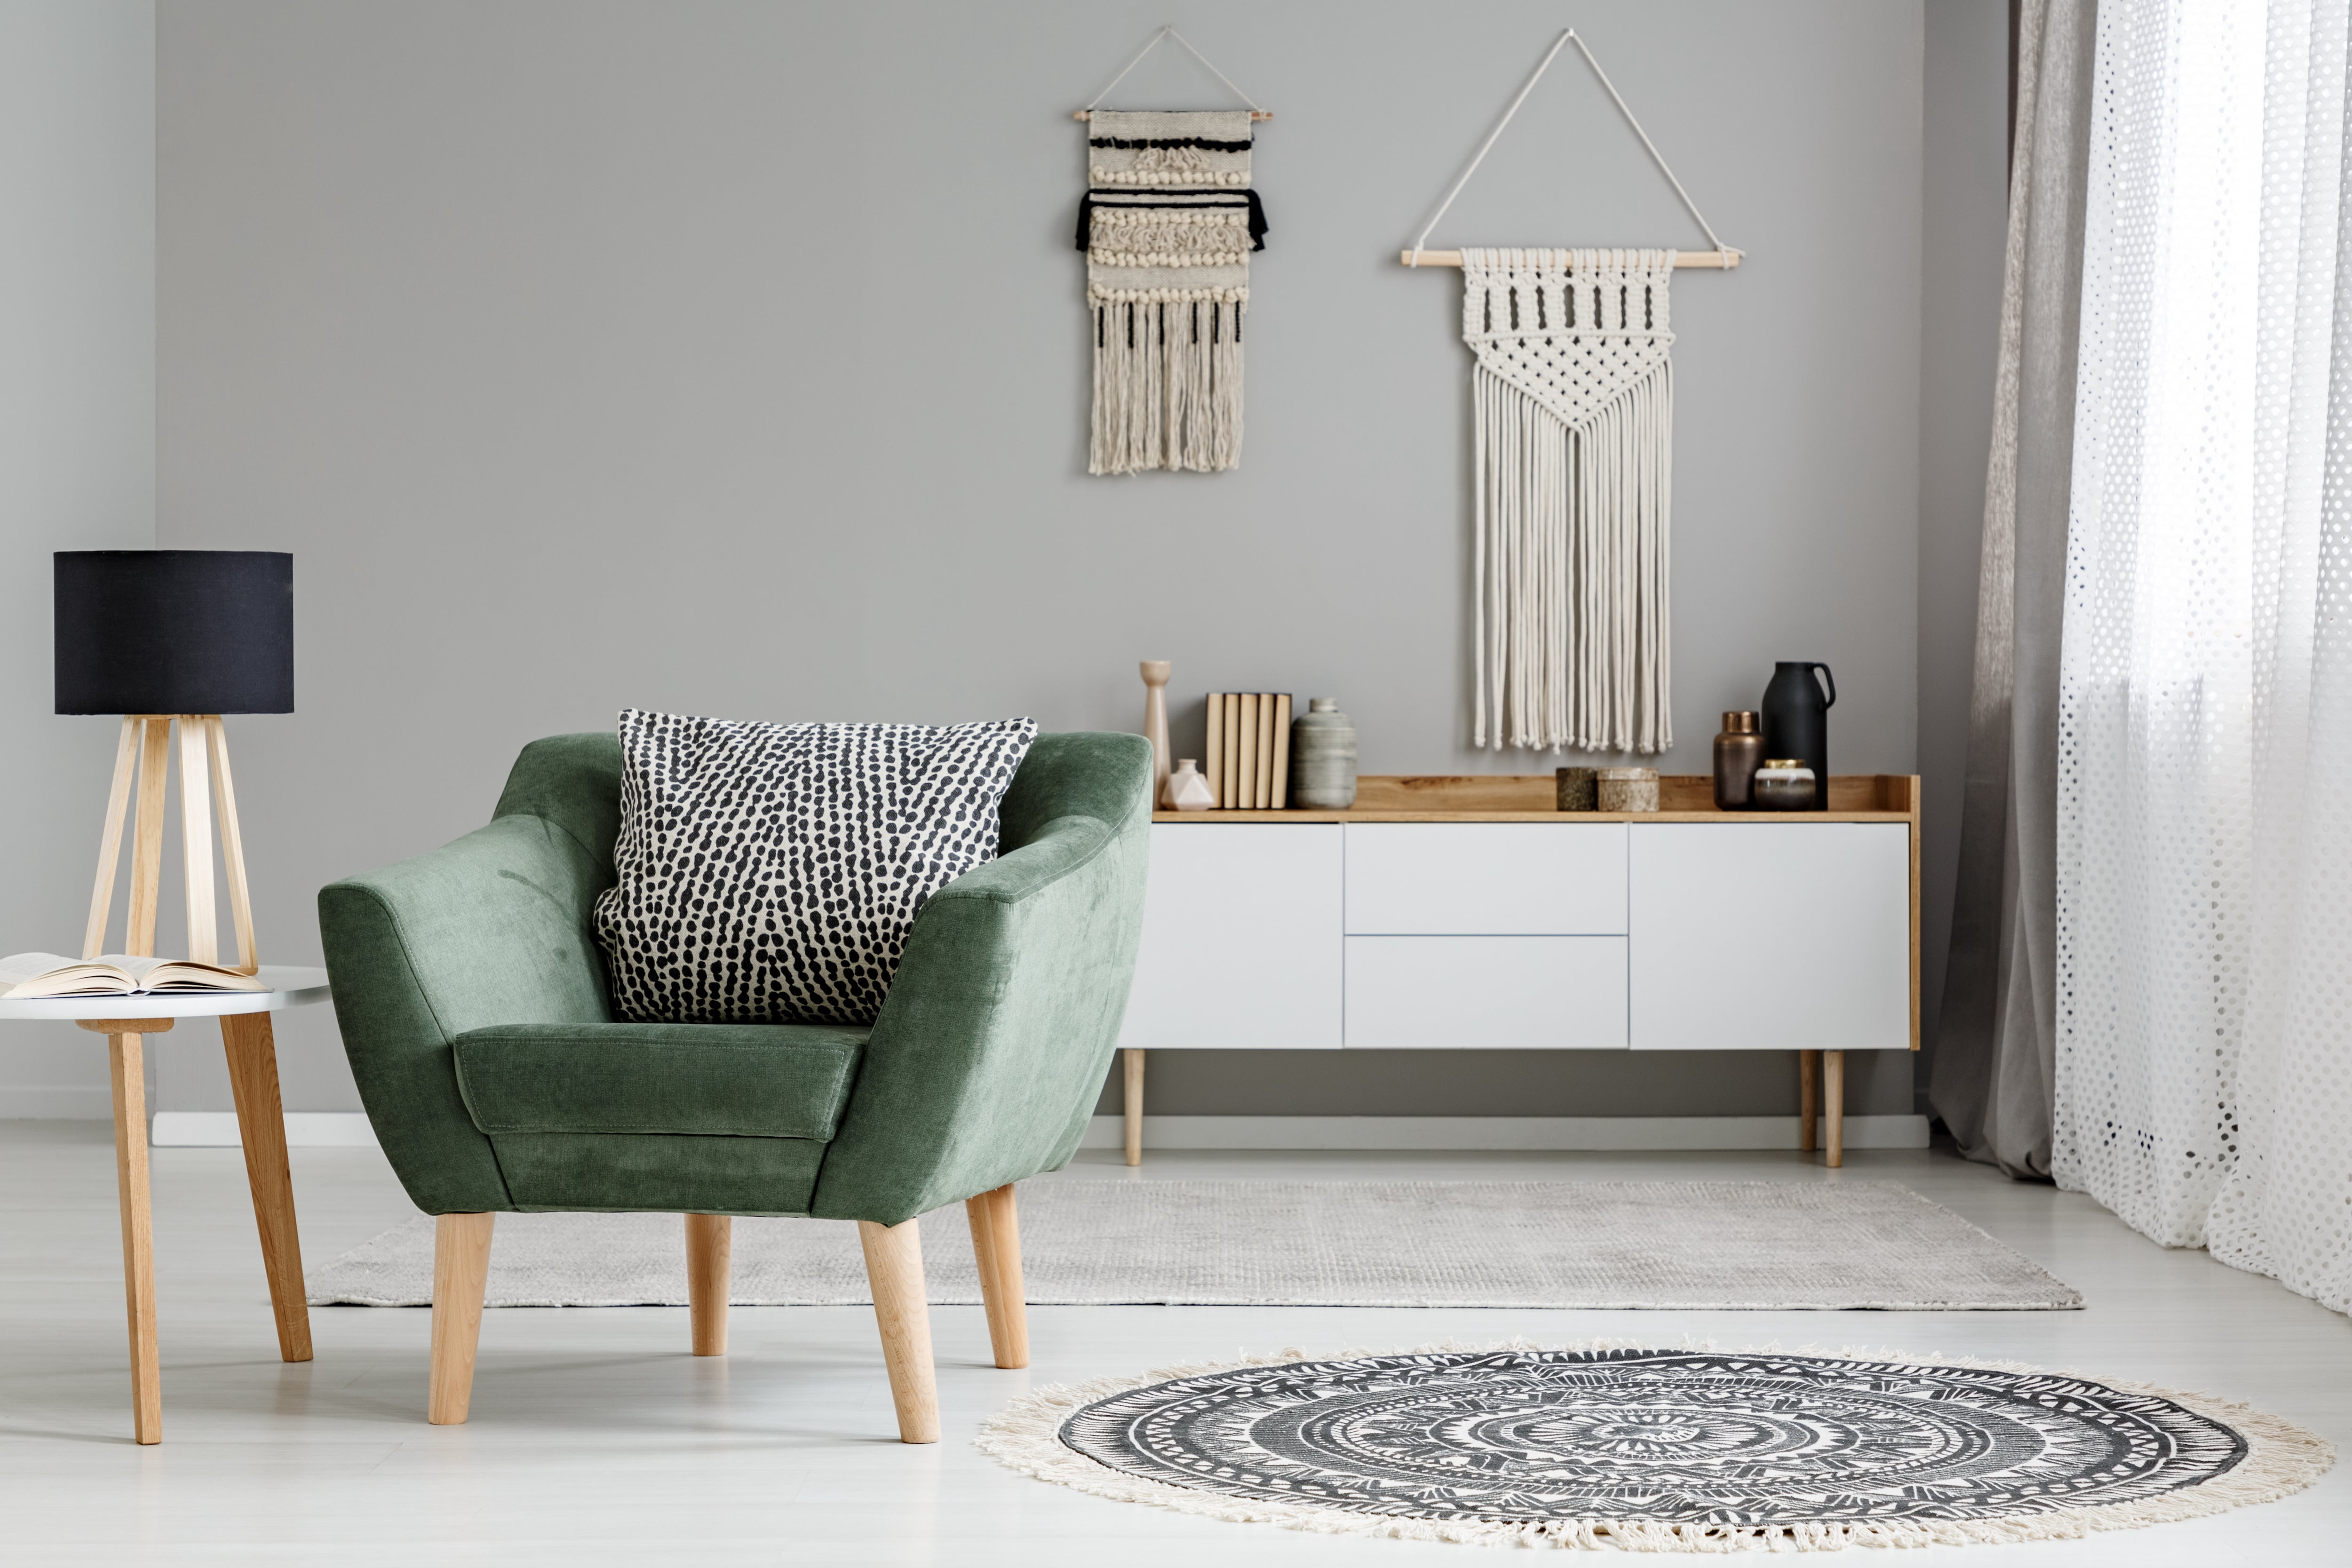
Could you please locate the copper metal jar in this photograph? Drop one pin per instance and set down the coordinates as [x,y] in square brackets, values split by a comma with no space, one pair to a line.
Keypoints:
[1738,752]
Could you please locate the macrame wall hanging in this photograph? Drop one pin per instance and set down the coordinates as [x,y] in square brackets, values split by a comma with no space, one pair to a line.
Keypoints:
[1573,408]
[1168,225]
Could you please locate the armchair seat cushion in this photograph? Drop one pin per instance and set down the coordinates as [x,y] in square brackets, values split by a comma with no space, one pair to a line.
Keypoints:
[751,1081]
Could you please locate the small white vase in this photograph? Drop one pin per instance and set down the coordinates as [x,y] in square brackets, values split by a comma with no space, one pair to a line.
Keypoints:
[1187,791]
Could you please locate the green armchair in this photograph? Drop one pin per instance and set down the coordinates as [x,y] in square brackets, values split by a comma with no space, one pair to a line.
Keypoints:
[473,1005]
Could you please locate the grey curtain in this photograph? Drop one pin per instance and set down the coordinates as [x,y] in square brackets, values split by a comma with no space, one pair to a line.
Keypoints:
[1995,1051]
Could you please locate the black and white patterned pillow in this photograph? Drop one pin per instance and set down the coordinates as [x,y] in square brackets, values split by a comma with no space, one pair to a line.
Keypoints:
[770,872]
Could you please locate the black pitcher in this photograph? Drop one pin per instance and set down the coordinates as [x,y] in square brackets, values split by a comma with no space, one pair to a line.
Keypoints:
[1797,720]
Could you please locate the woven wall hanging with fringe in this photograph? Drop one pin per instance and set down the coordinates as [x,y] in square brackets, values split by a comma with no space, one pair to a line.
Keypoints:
[1572,457]
[1168,226]
[1572,399]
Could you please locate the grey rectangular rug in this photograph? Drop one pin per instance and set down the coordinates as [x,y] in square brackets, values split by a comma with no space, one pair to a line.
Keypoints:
[1702,1244]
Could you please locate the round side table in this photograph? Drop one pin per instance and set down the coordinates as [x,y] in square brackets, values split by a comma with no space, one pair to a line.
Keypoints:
[261,1125]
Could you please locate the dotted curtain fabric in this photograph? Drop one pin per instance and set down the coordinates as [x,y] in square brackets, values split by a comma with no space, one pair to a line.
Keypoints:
[771,872]
[1168,226]
[2283,1208]
[2204,1066]
[1573,454]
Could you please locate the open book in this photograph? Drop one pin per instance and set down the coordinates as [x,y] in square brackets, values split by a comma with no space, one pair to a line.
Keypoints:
[116,975]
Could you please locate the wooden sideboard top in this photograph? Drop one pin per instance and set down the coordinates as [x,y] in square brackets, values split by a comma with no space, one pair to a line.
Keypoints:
[1530,796]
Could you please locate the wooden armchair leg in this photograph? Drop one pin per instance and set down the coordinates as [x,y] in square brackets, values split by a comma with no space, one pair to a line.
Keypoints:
[710,1242]
[996,1247]
[894,1268]
[461,1269]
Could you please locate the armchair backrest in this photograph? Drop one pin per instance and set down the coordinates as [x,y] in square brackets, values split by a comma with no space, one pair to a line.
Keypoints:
[572,782]
[1071,775]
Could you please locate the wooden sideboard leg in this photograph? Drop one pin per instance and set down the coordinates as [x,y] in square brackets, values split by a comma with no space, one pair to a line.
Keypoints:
[1133,1058]
[710,1256]
[127,1059]
[461,1272]
[1808,1100]
[894,1269]
[1834,1095]
[262,1126]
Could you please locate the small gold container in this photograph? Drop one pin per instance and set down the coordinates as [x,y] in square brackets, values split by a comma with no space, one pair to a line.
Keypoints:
[1784,784]
[1577,789]
[1628,789]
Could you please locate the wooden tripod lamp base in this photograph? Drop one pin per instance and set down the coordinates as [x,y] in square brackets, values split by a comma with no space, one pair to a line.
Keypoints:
[143,755]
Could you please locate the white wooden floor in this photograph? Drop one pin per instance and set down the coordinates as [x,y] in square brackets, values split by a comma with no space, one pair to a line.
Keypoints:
[596,1438]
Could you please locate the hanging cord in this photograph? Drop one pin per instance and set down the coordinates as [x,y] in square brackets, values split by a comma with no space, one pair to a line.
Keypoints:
[1170,31]
[1496,135]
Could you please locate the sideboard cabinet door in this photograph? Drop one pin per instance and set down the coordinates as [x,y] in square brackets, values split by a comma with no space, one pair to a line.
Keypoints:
[1770,936]
[1241,940]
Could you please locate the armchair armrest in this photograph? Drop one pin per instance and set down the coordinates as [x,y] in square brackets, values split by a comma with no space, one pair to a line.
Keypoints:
[989,1054]
[491,929]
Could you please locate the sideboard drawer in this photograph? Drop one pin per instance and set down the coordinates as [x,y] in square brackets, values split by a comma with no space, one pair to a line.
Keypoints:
[1521,879]
[1487,993]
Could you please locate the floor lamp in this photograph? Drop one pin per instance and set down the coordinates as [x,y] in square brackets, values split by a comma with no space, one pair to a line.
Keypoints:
[179,637]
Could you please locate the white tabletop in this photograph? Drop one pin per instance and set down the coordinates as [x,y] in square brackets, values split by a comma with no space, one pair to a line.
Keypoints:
[291,986]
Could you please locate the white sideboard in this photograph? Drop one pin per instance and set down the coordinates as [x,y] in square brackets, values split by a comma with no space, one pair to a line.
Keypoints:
[1458,914]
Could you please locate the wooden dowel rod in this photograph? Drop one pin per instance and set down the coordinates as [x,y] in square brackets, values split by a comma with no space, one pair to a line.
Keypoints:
[240,900]
[196,840]
[1255,114]
[110,842]
[1717,260]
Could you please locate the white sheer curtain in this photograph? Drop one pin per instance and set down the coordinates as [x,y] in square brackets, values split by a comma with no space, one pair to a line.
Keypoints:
[2204,1063]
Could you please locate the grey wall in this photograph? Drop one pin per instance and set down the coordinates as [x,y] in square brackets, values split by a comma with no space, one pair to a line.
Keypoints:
[77,458]
[730,358]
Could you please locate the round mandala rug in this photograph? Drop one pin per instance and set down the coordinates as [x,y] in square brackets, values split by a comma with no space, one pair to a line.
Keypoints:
[1655,1449]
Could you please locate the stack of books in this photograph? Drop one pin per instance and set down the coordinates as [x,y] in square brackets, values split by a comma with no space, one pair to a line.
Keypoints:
[1248,763]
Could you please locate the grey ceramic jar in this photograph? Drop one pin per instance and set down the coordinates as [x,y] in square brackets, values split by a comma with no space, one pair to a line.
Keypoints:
[1322,757]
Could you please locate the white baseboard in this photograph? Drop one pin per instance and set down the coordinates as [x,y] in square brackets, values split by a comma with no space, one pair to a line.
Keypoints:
[70,1102]
[349,1130]
[217,1130]
[1563,1133]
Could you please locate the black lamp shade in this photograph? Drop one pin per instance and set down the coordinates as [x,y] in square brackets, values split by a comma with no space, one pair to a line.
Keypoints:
[175,631]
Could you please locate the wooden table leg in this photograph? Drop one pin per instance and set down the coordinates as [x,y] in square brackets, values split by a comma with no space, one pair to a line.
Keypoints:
[1808,1100]
[1833,1097]
[126,1059]
[1133,1060]
[252,1051]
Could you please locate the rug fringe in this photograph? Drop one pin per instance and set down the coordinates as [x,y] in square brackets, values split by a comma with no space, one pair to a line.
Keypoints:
[2282,1458]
